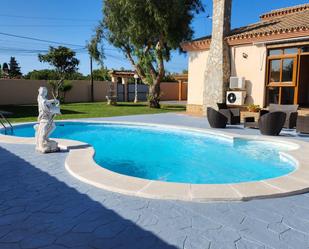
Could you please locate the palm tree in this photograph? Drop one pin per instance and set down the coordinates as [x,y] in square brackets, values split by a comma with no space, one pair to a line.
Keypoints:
[217,72]
[95,53]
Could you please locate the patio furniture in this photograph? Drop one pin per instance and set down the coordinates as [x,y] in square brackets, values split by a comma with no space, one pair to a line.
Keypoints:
[222,106]
[302,125]
[272,123]
[232,114]
[289,110]
[251,122]
[216,119]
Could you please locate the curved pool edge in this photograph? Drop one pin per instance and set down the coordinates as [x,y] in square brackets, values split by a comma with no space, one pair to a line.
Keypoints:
[80,164]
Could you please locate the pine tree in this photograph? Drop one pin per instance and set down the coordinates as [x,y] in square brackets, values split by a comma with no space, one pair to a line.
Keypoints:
[14,71]
[5,70]
[5,67]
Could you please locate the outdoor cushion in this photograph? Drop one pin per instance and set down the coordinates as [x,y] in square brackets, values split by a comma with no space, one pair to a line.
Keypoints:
[288,109]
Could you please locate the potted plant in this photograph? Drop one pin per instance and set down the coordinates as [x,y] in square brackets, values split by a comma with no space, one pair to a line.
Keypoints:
[253,108]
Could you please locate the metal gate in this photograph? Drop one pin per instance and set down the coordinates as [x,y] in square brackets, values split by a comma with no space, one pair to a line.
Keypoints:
[120,92]
[142,91]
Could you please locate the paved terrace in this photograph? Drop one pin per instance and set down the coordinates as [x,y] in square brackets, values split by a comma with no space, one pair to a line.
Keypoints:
[42,206]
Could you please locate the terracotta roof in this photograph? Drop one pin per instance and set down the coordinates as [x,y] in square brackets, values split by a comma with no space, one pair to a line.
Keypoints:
[287,22]
[122,73]
[284,11]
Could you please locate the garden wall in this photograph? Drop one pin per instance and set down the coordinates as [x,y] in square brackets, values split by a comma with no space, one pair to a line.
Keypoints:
[23,92]
[19,92]
[173,91]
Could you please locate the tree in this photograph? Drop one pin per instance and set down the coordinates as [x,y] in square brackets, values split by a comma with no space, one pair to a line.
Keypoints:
[63,89]
[49,74]
[14,69]
[217,72]
[168,77]
[44,74]
[64,61]
[0,72]
[101,74]
[185,71]
[146,32]
[5,70]
[95,54]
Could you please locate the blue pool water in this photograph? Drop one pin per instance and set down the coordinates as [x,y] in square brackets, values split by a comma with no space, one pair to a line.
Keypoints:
[174,155]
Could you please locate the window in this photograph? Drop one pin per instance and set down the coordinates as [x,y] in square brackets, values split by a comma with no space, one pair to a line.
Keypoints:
[290,50]
[275,52]
[287,95]
[275,70]
[305,49]
[281,84]
[287,70]
[273,95]
[282,71]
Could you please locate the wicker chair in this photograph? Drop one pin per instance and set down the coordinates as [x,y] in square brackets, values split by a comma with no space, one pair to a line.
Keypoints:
[232,114]
[289,110]
[303,124]
[272,123]
[216,119]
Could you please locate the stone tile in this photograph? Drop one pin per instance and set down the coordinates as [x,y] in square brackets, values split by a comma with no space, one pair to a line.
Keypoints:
[37,241]
[293,237]
[213,192]
[247,244]
[74,240]
[251,190]
[111,230]
[278,227]
[9,245]
[163,190]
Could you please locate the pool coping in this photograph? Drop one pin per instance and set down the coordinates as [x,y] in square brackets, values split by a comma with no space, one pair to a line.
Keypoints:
[80,164]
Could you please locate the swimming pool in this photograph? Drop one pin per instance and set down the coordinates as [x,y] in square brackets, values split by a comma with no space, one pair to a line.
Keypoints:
[158,153]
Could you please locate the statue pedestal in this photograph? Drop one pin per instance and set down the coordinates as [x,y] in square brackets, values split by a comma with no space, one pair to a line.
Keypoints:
[43,143]
[48,147]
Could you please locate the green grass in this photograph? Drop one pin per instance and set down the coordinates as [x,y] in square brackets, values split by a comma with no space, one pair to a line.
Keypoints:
[27,113]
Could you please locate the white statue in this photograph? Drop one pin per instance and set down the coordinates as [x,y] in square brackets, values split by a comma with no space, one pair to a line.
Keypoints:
[48,109]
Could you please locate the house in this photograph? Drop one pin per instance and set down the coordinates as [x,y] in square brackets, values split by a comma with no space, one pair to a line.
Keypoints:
[272,55]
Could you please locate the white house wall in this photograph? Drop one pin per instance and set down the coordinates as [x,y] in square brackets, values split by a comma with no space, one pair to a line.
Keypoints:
[246,61]
[249,62]
[197,67]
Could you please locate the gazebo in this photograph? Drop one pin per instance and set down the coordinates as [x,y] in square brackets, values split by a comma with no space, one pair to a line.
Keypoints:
[121,88]
[123,78]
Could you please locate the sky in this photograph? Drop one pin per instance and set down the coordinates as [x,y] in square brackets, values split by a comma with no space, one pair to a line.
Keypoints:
[72,23]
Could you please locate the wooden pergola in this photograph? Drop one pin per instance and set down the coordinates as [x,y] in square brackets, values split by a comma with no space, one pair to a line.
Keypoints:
[124,76]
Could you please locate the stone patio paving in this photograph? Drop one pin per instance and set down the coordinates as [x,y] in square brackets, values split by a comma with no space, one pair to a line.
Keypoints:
[42,206]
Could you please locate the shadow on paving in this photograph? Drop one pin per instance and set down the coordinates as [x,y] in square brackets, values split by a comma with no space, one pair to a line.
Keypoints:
[39,211]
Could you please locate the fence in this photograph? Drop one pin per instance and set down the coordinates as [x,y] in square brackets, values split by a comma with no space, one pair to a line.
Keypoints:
[23,92]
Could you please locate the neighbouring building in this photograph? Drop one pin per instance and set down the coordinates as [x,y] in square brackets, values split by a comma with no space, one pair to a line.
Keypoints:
[272,55]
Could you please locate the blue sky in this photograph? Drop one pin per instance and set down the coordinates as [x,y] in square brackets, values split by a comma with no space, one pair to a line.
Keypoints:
[73,21]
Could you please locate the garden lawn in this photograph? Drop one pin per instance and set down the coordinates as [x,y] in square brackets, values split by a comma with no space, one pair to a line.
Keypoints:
[27,113]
